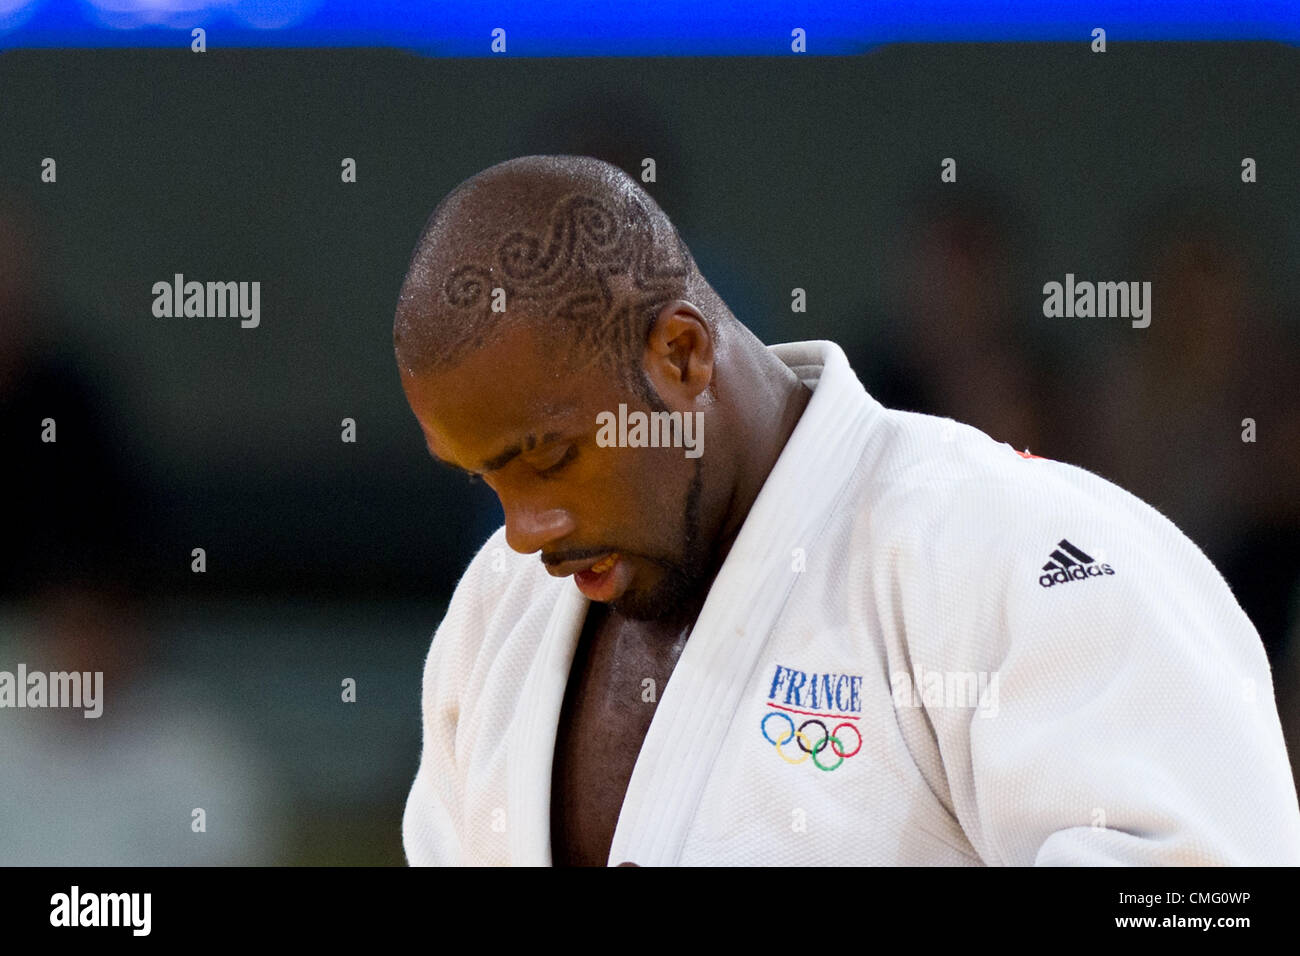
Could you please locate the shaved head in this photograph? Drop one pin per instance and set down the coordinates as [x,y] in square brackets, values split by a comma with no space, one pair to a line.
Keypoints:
[570,244]
[544,293]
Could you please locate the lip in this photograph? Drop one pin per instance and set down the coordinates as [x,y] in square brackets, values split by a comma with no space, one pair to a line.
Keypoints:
[574,567]
[605,586]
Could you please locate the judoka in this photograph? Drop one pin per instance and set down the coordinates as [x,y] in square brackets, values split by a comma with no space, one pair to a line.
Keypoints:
[727,659]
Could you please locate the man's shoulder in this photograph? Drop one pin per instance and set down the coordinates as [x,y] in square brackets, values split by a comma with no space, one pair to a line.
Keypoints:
[946,491]
[968,542]
[952,520]
[923,459]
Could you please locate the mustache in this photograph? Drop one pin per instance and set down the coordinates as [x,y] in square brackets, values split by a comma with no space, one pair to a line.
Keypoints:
[562,557]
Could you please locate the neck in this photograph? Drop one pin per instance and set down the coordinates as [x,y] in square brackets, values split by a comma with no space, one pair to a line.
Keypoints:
[779,401]
[767,401]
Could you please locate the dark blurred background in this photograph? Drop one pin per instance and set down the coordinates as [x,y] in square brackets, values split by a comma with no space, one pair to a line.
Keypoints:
[329,560]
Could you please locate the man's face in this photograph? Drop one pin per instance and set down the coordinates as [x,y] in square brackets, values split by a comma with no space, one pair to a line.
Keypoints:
[514,414]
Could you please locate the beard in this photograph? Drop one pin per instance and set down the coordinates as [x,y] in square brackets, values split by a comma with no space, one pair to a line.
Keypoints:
[683,577]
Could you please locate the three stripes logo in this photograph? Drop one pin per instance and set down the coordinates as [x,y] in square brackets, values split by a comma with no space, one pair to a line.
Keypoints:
[1071,564]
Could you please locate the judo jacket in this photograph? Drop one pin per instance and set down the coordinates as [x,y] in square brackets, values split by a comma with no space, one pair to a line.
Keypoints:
[924,648]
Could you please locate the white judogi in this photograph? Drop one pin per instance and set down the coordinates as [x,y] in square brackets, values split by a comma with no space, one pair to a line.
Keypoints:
[1118,710]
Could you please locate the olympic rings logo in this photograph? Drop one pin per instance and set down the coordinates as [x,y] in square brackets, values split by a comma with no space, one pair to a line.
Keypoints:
[806,747]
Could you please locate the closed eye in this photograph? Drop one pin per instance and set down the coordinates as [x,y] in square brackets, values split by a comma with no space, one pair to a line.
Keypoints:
[567,457]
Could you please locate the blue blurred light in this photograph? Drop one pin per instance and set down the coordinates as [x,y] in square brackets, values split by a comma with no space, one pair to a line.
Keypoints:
[623,28]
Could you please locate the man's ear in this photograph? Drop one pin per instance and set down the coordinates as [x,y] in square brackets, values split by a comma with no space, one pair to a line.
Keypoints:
[679,352]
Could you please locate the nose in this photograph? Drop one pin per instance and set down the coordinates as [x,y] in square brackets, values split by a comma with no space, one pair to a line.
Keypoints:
[529,529]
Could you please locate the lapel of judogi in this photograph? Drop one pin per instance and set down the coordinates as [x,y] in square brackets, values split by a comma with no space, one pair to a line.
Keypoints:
[725,645]
[532,746]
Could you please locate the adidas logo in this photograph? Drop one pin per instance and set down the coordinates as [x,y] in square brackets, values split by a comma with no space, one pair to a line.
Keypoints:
[1070,564]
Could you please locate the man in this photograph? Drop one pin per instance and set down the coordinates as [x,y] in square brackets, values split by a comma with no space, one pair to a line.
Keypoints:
[810,630]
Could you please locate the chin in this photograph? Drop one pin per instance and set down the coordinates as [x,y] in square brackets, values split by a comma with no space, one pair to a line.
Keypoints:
[639,607]
[664,600]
